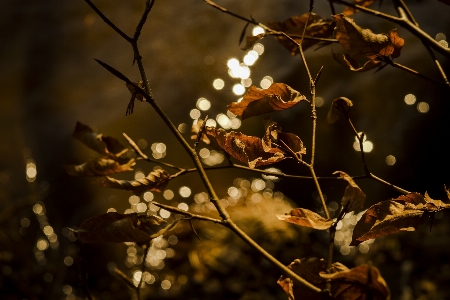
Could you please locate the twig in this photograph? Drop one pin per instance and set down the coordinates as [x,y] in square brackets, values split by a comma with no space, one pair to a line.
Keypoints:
[146,248]
[398,189]
[125,278]
[188,214]
[414,72]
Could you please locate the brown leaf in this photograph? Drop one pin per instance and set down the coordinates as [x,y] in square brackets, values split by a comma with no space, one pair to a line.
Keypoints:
[156,181]
[288,142]
[348,11]
[99,167]
[354,197]
[341,104]
[278,96]
[307,218]
[105,145]
[308,269]
[133,90]
[317,27]
[358,283]
[195,129]
[251,40]
[246,149]
[350,63]
[363,42]
[118,228]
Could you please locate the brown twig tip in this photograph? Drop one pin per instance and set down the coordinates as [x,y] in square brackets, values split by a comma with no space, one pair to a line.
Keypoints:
[135,147]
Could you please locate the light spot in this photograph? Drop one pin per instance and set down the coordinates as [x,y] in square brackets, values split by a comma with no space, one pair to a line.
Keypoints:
[111,209]
[134,199]
[173,240]
[137,276]
[182,127]
[195,113]
[38,209]
[68,261]
[223,121]
[67,289]
[165,284]
[367,146]
[319,101]
[141,207]
[203,104]
[184,191]
[168,194]
[272,177]
[232,191]
[440,36]
[345,250]
[410,99]
[204,153]
[48,230]
[363,248]
[148,196]
[259,48]
[211,123]
[160,148]
[25,222]
[258,185]
[235,123]
[251,57]
[238,89]
[138,175]
[256,198]
[423,107]
[164,213]
[246,82]
[266,82]
[218,84]
[443,43]
[42,244]
[390,160]
[142,144]
[258,30]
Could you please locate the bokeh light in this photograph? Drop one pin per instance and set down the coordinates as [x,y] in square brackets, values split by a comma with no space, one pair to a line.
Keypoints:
[390,160]
[266,82]
[218,84]
[203,104]
[423,107]
[410,99]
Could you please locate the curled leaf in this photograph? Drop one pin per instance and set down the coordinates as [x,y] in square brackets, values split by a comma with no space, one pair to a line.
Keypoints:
[118,228]
[361,42]
[99,167]
[354,197]
[199,125]
[350,63]
[156,181]
[294,27]
[105,145]
[346,283]
[404,213]
[307,218]
[246,149]
[288,142]
[341,104]
[278,96]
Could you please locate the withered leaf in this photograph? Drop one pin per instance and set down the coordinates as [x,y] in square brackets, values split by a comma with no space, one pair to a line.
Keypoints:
[317,27]
[288,142]
[358,283]
[195,129]
[135,92]
[246,149]
[105,145]
[391,216]
[117,228]
[350,63]
[156,181]
[354,197]
[307,218]
[341,104]
[348,11]
[345,283]
[278,96]
[99,167]
[361,42]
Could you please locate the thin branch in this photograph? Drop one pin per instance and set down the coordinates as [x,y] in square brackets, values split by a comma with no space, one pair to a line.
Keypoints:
[148,8]
[188,214]
[125,278]
[107,21]
[414,72]
[146,248]
[398,189]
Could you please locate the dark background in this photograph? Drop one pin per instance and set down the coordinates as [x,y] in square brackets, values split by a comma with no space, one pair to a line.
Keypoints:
[49,81]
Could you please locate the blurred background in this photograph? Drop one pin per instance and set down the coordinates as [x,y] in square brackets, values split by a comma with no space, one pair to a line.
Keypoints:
[196,67]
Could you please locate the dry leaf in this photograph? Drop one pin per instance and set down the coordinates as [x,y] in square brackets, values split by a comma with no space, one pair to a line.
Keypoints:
[195,129]
[99,167]
[307,218]
[391,216]
[133,90]
[346,283]
[118,228]
[317,27]
[348,11]
[278,96]
[246,149]
[105,145]
[288,142]
[358,283]
[156,181]
[341,104]
[350,63]
[354,197]
[363,42]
